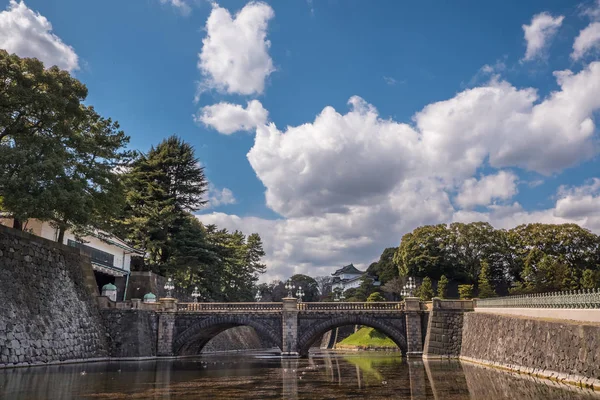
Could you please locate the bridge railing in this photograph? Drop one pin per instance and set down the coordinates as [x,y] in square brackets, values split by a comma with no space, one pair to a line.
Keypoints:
[589,298]
[350,306]
[229,307]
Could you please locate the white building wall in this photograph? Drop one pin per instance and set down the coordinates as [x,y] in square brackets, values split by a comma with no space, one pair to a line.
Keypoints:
[122,259]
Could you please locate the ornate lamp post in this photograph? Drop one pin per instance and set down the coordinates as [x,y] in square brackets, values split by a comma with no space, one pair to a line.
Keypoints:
[299,294]
[290,287]
[409,287]
[339,295]
[195,294]
[258,296]
[169,287]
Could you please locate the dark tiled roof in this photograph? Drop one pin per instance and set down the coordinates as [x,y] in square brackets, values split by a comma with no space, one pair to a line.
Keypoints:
[348,269]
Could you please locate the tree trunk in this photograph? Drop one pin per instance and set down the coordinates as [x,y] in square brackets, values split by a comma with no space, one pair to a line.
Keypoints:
[17,224]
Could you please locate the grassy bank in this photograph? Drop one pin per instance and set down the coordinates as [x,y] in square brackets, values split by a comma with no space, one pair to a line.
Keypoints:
[367,339]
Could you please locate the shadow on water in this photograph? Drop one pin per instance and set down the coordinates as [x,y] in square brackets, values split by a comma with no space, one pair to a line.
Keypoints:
[328,375]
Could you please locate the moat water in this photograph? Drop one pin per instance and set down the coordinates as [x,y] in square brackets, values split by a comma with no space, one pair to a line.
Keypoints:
[324,375]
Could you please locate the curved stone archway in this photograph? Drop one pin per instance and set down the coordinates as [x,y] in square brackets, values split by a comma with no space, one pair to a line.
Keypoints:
[312,333]
[197,335]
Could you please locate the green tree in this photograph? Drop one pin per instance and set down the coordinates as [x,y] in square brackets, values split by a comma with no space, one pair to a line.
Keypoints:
[310,287]
[589,279]
[470,244]
[425,291]
[163,186]
[57,156]
[375,296]
[484,288]
[465,291]
[385,269]
[423,252]
[578,248]
[441,288]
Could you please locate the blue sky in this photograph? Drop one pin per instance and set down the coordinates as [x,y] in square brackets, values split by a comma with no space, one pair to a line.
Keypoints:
[399,113]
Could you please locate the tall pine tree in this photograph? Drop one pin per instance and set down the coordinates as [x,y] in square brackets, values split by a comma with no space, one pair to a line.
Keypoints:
[163,187]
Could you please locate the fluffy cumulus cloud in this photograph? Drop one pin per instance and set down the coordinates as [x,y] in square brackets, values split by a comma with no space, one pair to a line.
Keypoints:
[482,192]
[220,197]
[29,34]
[580,202]
[227,118]
[180,5]
[235,52]
[539,33]
[587,41]
[350,183]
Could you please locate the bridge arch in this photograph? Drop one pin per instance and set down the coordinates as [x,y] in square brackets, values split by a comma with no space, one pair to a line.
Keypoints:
[313,332]
[199,334]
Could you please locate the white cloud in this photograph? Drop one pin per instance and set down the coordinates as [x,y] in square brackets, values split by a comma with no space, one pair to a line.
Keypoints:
[180,5]
[227,118]
[389,80]
[235,52]
[29,34]
[539,33]
[593,11]
[473,192]
[579,202]
[587,41]
[220,197]
[349,184]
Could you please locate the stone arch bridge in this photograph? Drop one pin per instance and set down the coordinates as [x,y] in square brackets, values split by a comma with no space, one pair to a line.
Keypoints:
[184,328]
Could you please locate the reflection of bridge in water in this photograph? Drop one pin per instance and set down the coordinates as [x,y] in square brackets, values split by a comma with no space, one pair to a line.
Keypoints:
[419,379]
[185,328]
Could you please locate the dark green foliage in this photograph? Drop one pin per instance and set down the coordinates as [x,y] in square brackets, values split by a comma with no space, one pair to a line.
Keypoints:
[529,258]
[163,187]
[465,291]
[590,279]
[309,286]
[57,156]
[484,288]
[442,285]
[385,268]
[425,291]
[375,296]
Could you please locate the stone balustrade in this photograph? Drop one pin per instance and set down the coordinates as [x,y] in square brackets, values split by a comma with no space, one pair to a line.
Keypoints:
[352,306]
[589,298]
[230,307]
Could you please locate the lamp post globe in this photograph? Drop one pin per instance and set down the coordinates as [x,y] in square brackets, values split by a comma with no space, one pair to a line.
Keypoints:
[195,294]
[169,287]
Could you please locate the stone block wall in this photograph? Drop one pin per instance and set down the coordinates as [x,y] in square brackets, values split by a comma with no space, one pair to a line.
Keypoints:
[444,333]
[561,350]
[130,333]
[47,312]
[444,328]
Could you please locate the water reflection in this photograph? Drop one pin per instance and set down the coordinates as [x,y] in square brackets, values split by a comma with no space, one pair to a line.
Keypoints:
[266,376]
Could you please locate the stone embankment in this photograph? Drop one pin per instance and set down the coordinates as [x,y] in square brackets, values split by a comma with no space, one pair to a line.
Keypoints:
[564,351]
[47,312]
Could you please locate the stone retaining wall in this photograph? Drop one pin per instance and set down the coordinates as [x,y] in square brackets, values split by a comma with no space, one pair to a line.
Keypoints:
[47,314]
[560,350]
[130,333]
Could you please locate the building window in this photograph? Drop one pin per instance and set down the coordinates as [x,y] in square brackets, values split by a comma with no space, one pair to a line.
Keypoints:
[97,256]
